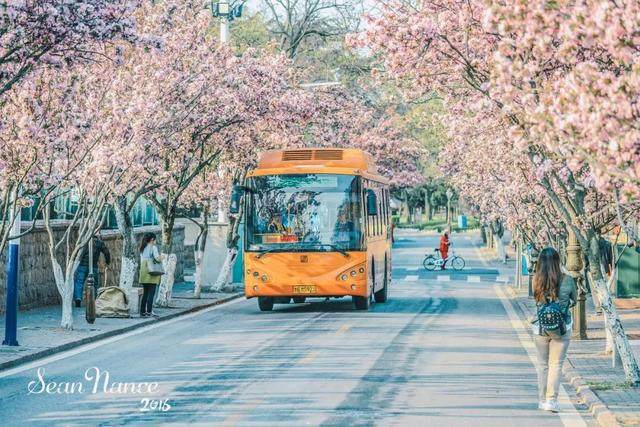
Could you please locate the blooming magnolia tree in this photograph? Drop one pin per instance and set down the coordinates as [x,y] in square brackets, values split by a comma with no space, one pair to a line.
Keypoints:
[546,74]
[73,162]
[54,32]
[204,193]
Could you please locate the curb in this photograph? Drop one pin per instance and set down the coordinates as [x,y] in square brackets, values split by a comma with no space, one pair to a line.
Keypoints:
[111,333]
[596,407]
[603,415]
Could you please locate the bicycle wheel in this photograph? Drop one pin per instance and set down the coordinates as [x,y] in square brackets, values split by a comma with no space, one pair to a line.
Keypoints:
[429,263]
[457,263]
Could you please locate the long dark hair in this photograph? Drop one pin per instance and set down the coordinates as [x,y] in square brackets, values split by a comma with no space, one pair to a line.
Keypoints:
[146,239]
[546,281]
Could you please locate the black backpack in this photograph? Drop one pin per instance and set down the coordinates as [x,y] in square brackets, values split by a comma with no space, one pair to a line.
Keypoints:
[552,320]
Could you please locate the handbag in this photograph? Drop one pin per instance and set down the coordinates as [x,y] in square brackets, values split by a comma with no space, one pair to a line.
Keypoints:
[154,268]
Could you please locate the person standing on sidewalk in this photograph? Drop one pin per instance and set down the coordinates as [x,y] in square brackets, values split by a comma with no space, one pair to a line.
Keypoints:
[551,285]
[148,253]
[99,247]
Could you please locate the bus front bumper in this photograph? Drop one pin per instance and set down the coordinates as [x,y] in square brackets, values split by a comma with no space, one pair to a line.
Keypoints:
[306,290]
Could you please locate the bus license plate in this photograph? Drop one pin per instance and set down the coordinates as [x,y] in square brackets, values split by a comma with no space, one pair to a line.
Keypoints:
[304,289]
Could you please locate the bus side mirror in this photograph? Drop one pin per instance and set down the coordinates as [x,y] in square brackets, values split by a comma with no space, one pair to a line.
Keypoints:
[236,197]
[372,203]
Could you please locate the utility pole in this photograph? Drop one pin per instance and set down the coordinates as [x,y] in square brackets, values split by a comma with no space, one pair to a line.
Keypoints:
[13,266]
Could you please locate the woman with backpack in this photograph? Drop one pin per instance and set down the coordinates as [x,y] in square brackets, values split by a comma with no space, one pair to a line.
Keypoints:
[554,293]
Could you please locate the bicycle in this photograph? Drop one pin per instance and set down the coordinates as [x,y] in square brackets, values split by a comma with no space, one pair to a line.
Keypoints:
[430,262]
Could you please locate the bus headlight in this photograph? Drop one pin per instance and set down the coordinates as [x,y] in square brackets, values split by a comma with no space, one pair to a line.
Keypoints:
[256,274]
[354,272]
[264,278]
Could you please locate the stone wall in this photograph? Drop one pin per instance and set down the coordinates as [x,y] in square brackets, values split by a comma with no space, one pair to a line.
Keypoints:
[114,243]
[37,288]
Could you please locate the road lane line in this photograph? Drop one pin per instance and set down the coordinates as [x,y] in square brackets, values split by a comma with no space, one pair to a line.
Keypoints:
[568,414]
[412,278]
[473,279]
[91,346]
[234,419]
[343,329]
[503,279]
[443,278]
[412,268]
[308,358]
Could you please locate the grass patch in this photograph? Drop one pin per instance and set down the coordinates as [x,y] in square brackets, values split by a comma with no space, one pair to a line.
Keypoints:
[609,385]
[440,224]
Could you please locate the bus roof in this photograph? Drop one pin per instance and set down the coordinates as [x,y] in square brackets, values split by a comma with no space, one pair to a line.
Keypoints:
[344,161]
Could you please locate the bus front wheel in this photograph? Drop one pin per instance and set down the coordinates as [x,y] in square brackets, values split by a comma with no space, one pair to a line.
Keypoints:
[383,294]
[362,303]
[265,303]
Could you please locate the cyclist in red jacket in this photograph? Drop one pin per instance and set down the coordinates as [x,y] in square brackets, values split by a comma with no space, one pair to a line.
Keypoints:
[444,246]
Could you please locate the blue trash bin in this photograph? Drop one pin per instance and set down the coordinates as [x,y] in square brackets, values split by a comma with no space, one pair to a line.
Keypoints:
[462,221]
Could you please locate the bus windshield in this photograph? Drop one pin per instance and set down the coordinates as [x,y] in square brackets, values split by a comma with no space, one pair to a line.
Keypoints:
[307,212]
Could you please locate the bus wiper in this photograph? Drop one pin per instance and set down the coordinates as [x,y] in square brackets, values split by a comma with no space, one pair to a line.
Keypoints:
[335,248]
[266,251]
[263,253]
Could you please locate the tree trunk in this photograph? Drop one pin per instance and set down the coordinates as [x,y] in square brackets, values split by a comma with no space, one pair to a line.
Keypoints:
[489,237]
[612,320]
[199,256]
[224,277]
[169,262]
[129,262]
[405,208]
[64,284]
[427,205]
[233,236]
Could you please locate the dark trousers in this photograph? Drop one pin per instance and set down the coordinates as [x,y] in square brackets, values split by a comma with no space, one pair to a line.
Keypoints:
[146,304]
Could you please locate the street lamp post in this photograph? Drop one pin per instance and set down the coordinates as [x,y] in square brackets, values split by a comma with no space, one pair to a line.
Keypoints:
[574,266]
[11,313]
[531,265]
[89,289]
[223,10]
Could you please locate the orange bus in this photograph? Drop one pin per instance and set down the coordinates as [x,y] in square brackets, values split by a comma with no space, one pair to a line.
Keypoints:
[317,224]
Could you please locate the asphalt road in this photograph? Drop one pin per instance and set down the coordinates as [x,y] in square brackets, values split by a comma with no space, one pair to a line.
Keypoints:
[445,350]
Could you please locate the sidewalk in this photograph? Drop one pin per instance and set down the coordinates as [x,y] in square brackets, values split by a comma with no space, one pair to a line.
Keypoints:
[40,335]
[588,368]
[587,364]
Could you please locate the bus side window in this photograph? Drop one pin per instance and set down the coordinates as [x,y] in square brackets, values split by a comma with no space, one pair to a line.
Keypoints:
[384,208]
[379,216]
[367,216]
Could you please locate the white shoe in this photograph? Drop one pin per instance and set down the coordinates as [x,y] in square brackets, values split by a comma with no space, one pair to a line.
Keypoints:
[551,406]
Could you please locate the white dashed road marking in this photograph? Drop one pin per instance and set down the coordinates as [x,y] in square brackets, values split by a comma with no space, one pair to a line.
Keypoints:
[412,278]
[444,278]
[473,279]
